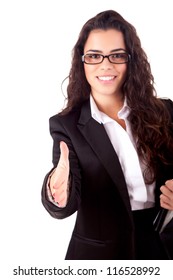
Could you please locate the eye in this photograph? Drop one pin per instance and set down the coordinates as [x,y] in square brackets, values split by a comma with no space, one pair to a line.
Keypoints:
[119,57]
[93,56]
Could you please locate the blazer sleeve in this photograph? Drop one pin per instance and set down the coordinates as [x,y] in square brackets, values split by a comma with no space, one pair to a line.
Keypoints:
[59,133]
[164,226]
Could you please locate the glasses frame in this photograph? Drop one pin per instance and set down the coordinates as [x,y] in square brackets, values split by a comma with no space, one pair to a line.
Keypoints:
[107,56]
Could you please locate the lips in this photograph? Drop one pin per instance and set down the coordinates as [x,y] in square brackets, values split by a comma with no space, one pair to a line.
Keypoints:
[106,78]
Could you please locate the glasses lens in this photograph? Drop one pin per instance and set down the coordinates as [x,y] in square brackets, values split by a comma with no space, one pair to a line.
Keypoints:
[118,58]
[93,58]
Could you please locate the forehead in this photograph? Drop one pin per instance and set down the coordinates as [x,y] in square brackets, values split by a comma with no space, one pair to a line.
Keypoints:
[104,40]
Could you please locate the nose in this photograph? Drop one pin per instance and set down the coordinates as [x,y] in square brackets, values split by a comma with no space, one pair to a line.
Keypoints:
[106,64]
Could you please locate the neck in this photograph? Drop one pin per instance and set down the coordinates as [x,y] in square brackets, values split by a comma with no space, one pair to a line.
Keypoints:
[110,105]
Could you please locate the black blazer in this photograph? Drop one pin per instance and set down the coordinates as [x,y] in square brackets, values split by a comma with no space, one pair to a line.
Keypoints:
[104,226]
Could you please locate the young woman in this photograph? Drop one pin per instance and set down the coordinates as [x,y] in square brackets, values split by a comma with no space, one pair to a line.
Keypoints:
[113,147]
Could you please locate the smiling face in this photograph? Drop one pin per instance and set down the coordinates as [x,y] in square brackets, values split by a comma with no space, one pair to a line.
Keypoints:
[105,78]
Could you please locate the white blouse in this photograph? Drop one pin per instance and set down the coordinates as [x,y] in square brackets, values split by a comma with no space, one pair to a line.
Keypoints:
[141,195]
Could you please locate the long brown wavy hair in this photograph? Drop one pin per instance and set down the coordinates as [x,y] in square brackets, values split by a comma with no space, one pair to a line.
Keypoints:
[149,118]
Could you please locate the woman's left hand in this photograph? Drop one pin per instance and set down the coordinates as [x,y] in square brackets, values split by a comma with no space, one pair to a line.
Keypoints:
[166,198]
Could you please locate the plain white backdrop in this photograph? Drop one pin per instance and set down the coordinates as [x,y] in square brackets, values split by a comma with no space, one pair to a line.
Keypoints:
[37,38]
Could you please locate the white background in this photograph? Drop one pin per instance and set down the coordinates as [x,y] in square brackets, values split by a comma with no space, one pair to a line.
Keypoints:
[36,39]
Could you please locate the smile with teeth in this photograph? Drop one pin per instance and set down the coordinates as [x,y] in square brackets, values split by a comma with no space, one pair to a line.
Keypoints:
[106,78]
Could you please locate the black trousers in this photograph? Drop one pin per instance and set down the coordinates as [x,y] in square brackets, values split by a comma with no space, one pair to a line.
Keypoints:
[148,244]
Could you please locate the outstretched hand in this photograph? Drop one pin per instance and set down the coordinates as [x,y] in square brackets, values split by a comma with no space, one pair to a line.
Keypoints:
[59,179]
[166,198]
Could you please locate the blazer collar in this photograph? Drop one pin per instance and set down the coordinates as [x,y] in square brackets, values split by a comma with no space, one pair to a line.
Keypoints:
[98,139]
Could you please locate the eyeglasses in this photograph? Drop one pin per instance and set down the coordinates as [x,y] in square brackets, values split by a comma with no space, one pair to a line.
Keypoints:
[115,58]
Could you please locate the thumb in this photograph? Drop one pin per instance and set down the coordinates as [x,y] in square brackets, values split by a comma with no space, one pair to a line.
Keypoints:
[62,169]
[64,152]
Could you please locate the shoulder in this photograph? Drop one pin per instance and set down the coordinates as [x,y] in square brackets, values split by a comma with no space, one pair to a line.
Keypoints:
[168,104]
[71,118]
[62,118]
[167,101]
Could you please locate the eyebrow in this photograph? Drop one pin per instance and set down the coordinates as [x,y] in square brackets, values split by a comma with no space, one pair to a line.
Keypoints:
[112,51]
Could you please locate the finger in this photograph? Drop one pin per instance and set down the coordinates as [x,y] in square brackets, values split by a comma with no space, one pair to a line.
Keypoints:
[166,191]
[59,196]
[61,199]
[166,201]
[58,189]
[62,203]
[169,184]
[60,184]
[165,205]
[164,198]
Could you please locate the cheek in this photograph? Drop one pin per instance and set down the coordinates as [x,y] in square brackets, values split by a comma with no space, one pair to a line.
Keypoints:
[123,73]
[123,69]
[89,71]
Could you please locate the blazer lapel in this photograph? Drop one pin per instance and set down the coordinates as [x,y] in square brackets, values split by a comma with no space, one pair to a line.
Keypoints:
[98,139]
